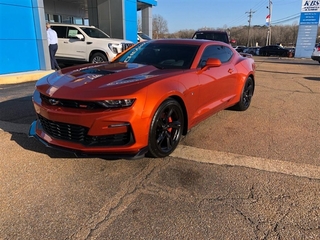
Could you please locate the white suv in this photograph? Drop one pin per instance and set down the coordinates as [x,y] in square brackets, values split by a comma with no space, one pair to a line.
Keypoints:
[316,53]
[86,43]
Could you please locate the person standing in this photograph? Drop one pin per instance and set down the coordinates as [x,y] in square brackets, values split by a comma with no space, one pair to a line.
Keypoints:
[53,46]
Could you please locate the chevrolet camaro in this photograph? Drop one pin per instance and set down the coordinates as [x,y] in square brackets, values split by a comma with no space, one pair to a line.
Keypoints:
[143,101]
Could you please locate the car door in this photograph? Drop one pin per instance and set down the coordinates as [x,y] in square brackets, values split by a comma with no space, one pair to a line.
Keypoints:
[76,48]
[217,84]
[276,50]
[62,35]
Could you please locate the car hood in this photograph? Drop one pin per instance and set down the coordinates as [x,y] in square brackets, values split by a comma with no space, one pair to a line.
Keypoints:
[110,40]
[98,80]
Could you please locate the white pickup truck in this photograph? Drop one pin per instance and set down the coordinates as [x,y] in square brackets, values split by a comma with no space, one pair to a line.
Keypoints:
[86,43]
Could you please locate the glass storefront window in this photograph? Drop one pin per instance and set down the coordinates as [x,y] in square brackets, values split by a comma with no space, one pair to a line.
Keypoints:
[66,19]
[77,21]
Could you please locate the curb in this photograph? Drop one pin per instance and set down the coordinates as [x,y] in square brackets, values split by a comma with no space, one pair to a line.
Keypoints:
[23,77]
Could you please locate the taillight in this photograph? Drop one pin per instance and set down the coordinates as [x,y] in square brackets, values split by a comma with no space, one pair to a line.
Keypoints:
[318,48]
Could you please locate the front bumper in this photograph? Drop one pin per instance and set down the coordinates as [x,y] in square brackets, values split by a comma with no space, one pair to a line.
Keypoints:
[315,58]
[82,152]
[86,131]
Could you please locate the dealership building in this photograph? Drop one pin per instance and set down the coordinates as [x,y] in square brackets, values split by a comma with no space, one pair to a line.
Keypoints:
[23,38]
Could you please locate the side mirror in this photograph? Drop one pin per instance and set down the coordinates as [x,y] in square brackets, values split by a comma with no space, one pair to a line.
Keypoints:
[80,36]
[212,62]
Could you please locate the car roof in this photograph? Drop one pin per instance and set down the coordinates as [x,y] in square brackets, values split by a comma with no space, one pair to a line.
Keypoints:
[217,31]
[189,41]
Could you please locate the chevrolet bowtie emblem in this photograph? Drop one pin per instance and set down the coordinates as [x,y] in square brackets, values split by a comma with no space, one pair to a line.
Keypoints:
[53,101]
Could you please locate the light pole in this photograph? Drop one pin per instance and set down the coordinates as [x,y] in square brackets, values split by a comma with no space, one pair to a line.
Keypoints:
[269,26]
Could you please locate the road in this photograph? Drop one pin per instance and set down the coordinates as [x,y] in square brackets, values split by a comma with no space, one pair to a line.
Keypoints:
[237,175]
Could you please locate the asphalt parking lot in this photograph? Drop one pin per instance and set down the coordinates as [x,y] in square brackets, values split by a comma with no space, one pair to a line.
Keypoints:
[237,175]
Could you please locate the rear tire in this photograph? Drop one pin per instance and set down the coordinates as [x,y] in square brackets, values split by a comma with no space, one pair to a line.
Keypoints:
[166,129]
[246,95]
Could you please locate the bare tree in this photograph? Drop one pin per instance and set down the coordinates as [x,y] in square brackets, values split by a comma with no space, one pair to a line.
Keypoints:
[284,34]
[159,27]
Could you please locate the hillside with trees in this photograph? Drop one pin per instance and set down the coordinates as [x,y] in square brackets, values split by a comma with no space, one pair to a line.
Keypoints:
[241,35]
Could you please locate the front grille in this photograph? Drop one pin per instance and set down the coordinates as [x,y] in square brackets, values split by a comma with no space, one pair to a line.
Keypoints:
[78,134]
[126,46]
[65,131]
[71,103]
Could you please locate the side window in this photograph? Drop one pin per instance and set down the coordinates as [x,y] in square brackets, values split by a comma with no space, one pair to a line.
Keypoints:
[228,54]
[223,53]
[61,31]
[72,32]
[222,37]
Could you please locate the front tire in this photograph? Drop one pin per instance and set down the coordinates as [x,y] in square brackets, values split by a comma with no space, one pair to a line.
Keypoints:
[98,58]
[246,95]
[166,129]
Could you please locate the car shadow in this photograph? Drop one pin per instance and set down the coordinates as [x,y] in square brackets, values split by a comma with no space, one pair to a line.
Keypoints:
[313,78]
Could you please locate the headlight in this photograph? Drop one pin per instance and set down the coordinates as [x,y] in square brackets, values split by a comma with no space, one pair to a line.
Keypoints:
[119,103]
[115,47]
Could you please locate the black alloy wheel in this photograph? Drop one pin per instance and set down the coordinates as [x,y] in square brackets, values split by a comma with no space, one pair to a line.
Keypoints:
[246,95]
[166,129]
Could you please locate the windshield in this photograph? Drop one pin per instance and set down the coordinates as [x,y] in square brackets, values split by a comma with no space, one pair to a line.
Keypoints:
[161,55]
[94,32]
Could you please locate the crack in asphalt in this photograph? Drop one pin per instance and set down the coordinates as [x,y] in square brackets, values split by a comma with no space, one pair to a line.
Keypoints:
[131,189]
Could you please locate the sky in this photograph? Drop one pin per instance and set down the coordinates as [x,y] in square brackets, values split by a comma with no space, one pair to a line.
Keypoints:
[195,14]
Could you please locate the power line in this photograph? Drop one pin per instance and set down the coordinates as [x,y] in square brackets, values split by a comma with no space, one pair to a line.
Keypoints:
[286,19]
[250,14]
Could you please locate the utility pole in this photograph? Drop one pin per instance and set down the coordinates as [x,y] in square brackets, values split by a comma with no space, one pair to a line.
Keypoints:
[250,13]
[269,26]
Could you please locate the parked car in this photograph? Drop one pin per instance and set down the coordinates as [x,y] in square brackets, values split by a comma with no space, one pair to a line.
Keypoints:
[143,37]
[212,35]
[144,100]
[252,50]
[240,48]
[276,50]
[86,43]
[292,51]
[316,53]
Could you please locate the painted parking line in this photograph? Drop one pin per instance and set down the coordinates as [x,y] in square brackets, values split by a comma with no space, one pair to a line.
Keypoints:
[223,158]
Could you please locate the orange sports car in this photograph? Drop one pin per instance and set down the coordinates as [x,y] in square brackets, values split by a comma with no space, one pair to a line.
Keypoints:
[143,101]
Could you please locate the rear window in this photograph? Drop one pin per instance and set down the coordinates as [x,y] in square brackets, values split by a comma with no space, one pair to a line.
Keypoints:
[217,36]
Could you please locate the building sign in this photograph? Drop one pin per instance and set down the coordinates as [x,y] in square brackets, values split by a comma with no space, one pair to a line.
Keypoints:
[310,6]
[308,28]
[309,18]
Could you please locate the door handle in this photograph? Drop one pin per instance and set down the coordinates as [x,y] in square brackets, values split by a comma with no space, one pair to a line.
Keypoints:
[230,70]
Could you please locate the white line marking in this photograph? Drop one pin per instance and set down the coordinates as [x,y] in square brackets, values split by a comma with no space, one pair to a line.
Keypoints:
[270,165]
